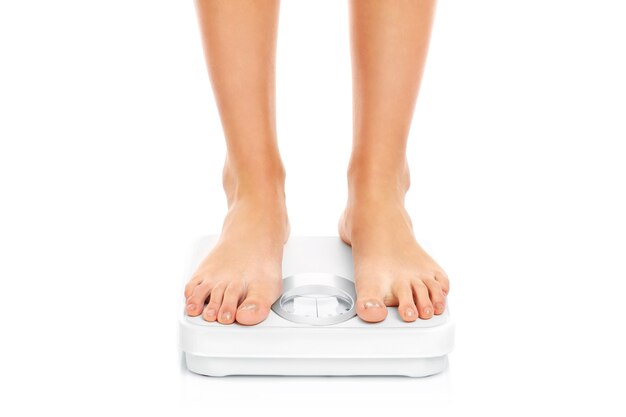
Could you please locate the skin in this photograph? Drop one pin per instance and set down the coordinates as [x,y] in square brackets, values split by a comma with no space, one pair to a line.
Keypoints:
[241,277]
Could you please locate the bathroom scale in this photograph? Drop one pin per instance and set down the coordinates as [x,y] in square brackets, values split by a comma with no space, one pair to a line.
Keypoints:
[312,328]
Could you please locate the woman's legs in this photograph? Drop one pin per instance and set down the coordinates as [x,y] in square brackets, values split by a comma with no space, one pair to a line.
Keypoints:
[389,46]
[241,277]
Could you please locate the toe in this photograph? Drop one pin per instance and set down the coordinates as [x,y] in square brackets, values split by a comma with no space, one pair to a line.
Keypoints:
[195,301]
[443,280]
[437,297]
[256,306]
[369,305]
[215,302]
[191,285]
[406,306]
[232,295]
[422,300]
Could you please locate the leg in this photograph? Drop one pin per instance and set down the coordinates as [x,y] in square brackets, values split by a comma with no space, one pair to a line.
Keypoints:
[389,45]
[241,277]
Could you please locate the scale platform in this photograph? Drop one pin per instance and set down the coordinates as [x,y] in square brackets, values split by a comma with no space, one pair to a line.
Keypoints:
[312,328]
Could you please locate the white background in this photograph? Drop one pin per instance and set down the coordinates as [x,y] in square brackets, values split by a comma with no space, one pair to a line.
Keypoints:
[110,160]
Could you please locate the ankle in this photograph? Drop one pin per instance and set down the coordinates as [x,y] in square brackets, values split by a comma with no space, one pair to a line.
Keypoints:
[263,180]
[372,180]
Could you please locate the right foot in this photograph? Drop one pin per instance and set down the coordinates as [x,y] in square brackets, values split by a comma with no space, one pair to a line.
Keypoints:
[242,276]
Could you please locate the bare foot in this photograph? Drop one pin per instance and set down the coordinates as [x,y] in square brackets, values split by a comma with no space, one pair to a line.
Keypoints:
[241,277]
[390,267]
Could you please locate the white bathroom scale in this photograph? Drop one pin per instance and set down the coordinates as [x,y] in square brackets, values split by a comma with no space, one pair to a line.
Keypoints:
[313,329]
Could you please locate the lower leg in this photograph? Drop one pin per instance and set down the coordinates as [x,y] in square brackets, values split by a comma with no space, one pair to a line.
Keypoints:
[241,277]
[389,46]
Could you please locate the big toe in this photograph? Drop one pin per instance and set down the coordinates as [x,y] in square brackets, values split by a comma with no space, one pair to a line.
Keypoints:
[370,306]
[255,307]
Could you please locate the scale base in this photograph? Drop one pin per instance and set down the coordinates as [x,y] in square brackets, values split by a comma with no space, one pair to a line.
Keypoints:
[220,366]
[313,338]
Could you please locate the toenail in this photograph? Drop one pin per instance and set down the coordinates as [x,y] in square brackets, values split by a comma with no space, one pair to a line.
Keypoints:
[439,306]
[427,311]
[409,312]
[191,307]
[226,316]
[247,307]
[210,312]
[371,304]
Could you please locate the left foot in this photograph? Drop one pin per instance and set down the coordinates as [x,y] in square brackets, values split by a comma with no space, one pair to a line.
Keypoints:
[390,267]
